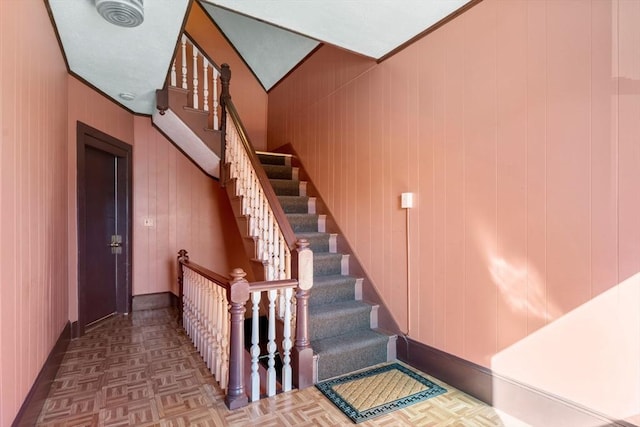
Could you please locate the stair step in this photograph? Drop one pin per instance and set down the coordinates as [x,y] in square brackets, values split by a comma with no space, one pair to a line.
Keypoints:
[350,352]
[301,223]
[340,324]
[328,264]
[288,187]
[274,158]
[298,204]
[318,242]
[281,172]
[344,316]
[333,288]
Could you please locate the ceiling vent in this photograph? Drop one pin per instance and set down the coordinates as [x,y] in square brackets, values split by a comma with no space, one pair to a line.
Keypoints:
[124,13]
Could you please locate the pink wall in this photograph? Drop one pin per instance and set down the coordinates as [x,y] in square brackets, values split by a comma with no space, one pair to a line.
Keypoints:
[516,126]
[248,95]
[188,208]
[33,198]
[189,211]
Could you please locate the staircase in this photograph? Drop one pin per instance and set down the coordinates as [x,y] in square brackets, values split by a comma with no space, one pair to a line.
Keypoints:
[341,325]
[334,331]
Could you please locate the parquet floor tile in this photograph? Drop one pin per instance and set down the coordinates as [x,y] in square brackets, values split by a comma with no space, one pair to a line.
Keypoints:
[142,370]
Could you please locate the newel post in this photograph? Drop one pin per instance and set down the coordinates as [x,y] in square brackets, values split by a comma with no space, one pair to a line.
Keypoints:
[183,256]
[225,96]
[302,357]
[237,295]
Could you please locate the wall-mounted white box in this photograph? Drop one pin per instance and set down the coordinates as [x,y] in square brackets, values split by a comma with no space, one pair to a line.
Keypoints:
[406,200]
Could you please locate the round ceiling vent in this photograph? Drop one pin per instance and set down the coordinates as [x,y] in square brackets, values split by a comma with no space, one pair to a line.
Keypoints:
[124,13]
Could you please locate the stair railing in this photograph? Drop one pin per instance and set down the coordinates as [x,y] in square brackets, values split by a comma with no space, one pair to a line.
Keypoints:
[276,247]
[213,306]
[193,71]
[212,311]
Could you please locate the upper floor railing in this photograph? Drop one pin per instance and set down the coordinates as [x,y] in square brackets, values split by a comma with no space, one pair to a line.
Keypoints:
[192,70]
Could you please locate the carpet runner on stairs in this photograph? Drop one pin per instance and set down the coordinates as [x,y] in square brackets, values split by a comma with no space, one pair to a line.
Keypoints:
[339,324]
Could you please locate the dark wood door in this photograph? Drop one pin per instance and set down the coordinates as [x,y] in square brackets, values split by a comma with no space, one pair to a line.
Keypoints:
[101,225]
[104,226]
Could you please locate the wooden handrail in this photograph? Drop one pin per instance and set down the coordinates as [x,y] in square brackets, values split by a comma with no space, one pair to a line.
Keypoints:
[219,279]
[229,107]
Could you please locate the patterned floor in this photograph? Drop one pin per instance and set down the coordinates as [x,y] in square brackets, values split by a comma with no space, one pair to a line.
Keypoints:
[141,370]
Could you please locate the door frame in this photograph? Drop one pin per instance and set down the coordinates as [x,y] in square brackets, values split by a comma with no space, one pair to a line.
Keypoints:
[111,145]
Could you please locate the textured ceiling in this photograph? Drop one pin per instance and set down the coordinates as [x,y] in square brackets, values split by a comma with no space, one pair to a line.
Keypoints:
[116,59]
[369,27]
[272,36]
[271,52]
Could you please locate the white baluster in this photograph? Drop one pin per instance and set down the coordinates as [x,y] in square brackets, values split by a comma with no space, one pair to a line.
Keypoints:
[184,62]
[210,323]
[214,320]
[205,84]
[224,369]
[220,334]
[271,345]
[286,342]
[255,348]
[215,98]
[173,73]
[195,76]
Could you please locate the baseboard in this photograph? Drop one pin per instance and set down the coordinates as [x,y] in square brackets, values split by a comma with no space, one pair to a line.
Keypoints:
[33,403]
[527,403]
[154,301]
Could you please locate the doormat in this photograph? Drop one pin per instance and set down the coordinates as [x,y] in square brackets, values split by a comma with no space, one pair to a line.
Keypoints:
[378,391]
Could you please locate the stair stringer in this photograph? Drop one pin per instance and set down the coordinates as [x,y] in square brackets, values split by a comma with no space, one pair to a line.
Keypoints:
[369,293]
[187,129]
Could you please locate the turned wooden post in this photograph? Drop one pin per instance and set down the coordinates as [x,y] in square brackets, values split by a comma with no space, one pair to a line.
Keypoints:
[225,96]
[183,256]
[237,295]
[302,355]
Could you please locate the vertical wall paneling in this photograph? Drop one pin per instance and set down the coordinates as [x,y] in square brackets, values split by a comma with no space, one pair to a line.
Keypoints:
[517,126]
[507,266]
[33,209]
[187,208]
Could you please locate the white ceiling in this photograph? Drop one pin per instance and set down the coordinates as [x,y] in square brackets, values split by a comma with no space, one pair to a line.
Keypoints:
[117,59]
[273,36]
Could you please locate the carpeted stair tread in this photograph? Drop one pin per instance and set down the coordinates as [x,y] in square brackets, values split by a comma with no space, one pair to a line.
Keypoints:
[272,159]
[278,171]
[294,204]
[331,289]
[344,316]
[350,352]
[333,308]
[326,263]
[285,187]
[318,242]
[301,223]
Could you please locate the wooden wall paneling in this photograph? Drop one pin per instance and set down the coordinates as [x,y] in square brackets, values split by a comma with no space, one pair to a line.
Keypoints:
[454,262]
[604,149]
[528,111]
[377,112]
[439,143]
[628,129]
[568,155]
[508,268]
[479,155]
[33,300]
[536,166]
[361,160]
